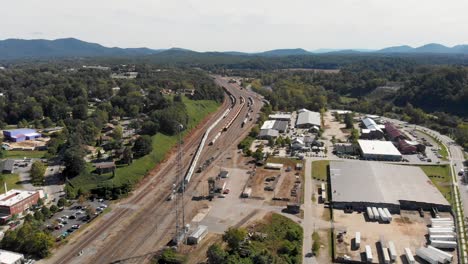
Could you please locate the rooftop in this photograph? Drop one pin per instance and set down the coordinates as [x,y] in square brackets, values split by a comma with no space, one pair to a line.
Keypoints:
[382,182]
[269,132]
[280,125]
[370,124]
[21,131]
[268,124]
[377,147]
[308,117]
[105,165]
[9,257]
[13,197]
[280,116]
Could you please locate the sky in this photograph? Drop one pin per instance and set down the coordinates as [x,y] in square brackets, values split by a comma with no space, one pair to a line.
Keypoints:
[240,25]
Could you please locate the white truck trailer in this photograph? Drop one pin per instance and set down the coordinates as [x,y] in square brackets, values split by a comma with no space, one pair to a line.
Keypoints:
[392,250]
[443,244]
[386,256]
[368,253]
[409,256]
[376,213]
[389,215]
[448,257]
[370,214]
[429,255]
[383,215]
[357,240]
[443,237]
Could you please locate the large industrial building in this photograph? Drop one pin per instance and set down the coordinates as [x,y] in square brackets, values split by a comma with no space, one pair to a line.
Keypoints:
[21,134]
[308,119]
[379,150]
[371,129]
[16,201]
[358,184]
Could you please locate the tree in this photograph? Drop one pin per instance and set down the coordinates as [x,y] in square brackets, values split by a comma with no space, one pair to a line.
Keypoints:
[234,237]
[38,216]
[143,146]
[53,208]
[349,121]
[149,128]
[127,156]
[258,155]
[117,133]
[80,111]
[46,212]
[61,202]
[37,173]
[170,256]
[215,254]
[74,162]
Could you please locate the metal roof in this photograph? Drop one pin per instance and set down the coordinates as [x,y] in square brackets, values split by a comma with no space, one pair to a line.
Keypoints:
[377,147]
[378,182]
[269,132]
[268,124]
[280,125]
[308,117]
[370,124]
[283,116]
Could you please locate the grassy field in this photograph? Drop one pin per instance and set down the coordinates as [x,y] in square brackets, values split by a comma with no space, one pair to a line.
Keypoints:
[162,144]
[11,181]
[319,169]
[281,232]
[21,154]
[440,177]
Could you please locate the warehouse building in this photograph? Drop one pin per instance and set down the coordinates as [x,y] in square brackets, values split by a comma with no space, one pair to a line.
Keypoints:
[10,257]
[280,116]
[281,126]
[268,133]
[356,185]
[21,134]
[16,201]
[371,130]
[393,133]
[308,119]
[379,150]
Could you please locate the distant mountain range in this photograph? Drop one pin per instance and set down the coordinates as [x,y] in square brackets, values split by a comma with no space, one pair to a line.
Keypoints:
[71,47]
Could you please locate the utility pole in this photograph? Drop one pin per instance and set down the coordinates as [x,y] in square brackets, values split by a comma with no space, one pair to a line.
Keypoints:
[179,182]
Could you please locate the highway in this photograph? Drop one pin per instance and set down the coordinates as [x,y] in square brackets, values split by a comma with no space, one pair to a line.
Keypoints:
[143,223]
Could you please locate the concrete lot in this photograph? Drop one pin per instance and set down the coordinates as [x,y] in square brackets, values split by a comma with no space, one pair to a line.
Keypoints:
[406,230]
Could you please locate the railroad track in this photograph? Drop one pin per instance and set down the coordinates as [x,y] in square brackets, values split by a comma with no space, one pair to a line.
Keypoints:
[152,222]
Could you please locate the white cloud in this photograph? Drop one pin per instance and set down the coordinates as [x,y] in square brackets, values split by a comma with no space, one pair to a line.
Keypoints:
[247,25]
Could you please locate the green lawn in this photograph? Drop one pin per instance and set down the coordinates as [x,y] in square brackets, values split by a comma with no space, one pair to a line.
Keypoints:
[319,169]
[28,154]
[162,144]
[11,181]
[440,177]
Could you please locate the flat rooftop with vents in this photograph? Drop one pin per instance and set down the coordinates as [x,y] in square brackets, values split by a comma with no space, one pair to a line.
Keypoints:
[358,184]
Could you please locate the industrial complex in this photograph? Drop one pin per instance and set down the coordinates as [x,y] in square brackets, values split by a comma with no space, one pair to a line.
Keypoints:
[359,184]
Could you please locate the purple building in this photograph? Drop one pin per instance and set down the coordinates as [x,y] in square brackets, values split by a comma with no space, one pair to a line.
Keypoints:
[21,134]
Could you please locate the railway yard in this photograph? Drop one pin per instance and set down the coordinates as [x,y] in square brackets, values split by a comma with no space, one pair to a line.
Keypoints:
[139,225]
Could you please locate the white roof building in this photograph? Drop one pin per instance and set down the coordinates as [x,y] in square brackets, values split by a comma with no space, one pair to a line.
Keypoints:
[307,119]
[268,124]
[280,116]
[14,196]
[9,257]
[379,150]
[370,124]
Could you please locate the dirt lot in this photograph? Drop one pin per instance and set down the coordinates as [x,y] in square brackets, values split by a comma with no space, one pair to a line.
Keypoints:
[406,230]
[285,180]
[334,128]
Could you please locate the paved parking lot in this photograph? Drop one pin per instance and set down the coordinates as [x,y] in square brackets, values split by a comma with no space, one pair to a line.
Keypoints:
[73,217]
